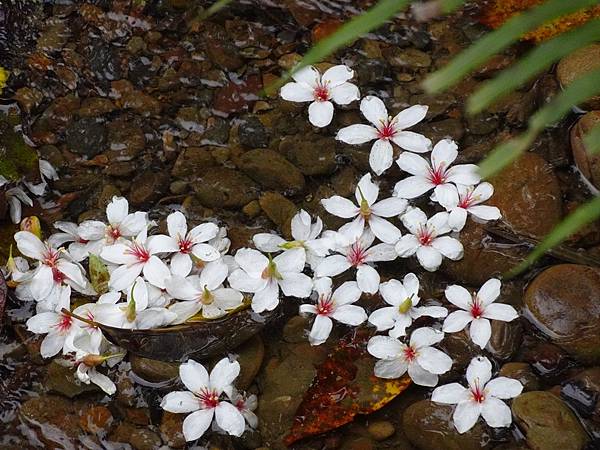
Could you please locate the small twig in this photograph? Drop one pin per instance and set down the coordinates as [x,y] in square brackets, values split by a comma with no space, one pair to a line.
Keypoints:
[75,316]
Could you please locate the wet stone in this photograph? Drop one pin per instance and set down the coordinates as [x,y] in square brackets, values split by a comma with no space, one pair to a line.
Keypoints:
[562,302]
[578,64]
[312,154]
[86,137]
[125,140]
[381,430]
[523,373]
[252,133]
[547,422]
[272,170]
[171,429]
[96,106]
[442,129]
[104,61]
[429,426]
[409,57]
[224,54]
[279,209]
[225,188]
[506,339]
[28,98]
[153,370]
[192,161]
[53,38]
[139,438]
[148,186]
[250,356]
[528,195]
[62,380]
[547,359]
[588,164]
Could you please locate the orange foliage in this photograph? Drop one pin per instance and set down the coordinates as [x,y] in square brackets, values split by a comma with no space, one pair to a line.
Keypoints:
[496,12]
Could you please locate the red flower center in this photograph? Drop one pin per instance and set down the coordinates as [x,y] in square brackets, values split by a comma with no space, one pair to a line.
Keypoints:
[409,353]
[387,131]
[139,251]
[477,393]
[438,175]
[208,398]
[185,246]
[113,233]
[240,404]
[321,93]
[466,201]
[58,276]
[325,305]
[425,236]
[476,308]
[50,258]
[64,324]
[357,255]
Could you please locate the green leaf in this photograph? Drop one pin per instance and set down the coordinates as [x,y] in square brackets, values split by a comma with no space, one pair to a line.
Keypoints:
[214,8]
[537,60]
[99,275]
[577,92]
[354,28]
[591,141]
[578,219]
[449,6]
[497,40]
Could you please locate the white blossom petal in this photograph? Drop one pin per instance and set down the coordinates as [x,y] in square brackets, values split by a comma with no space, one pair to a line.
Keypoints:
[297,92]
[450,394]
[320,113]
[374,110]
[180,402]
[381,156]
[196,424]
[413,142]
[357,134]
[320,330]
[457,321]
[465,415]
[344,93]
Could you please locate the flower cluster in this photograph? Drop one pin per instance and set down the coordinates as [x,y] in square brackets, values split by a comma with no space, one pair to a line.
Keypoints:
[157,280]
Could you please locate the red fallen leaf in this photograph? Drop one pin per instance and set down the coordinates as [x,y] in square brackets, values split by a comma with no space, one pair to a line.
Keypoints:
[343,387]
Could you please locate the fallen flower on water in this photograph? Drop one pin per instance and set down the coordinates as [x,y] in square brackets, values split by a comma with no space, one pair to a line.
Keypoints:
[483,397]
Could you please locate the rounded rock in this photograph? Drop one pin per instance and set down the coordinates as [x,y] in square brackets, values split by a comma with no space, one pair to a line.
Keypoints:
[547,422]
[588,164]
[578,64]
[272,170]
[381,430]
[562,302]
[225,188]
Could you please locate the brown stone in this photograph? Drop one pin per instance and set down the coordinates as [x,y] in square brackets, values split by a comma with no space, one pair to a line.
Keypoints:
[528,195]
[577,64]
[564,302]
[587,163]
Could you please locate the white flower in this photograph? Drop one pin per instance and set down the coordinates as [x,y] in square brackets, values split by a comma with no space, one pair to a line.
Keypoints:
[357,253]
[422,362]
[60,327]
[78,247]
[246,404]
[135,313]
[426,239]
[461,200]
[54,268]
[403,298]
[204,399]
[477,310]
[204,292]
[15,196]
[310,86]
[137,256]
[87,358]
[120,224]
[369,211]
[264,276]
[333,305]
[438,175]
[47,172]
[482,398]
[190,244]
[306,237]
[386,129]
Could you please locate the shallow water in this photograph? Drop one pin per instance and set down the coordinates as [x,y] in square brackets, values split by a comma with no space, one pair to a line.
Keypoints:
[152,104]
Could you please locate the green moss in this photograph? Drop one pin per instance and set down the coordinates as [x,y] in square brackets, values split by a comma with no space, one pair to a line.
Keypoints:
[17,159]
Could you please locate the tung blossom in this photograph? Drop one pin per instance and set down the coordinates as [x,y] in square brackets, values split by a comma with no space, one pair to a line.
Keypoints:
[203,293]
[384,130]
[306,237]
[426,239]
[360,254]
[55,268]
[190,245]
[438,175]
[120,224]
[367,211]
[310,86]
[477,310]
[246,404]
[462,200]
[137,256]
[333,305]
[264,277]
[483,397]
[422,362]
[204,399]
[403,298]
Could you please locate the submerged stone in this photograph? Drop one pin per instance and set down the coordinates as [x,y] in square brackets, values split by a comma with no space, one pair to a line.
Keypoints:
[87,137]
[17,159]
[272,170]
[563,303]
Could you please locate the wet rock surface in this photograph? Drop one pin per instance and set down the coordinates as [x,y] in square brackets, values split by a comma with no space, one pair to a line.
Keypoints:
[562,302]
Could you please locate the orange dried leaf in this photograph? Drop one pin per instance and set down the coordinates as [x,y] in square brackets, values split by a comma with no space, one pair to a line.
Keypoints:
[496,12]
[343,387]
